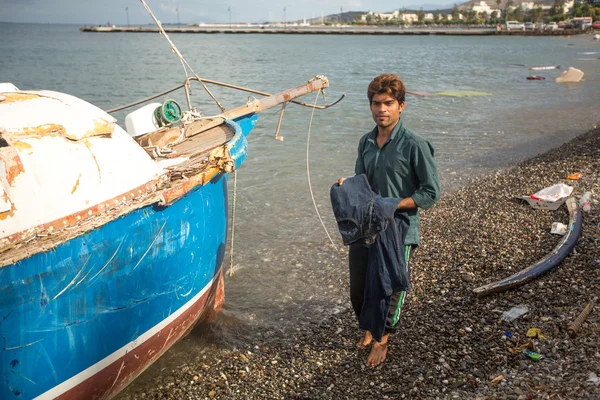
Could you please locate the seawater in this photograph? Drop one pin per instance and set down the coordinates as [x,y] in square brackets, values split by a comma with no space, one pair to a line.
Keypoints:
[283,274]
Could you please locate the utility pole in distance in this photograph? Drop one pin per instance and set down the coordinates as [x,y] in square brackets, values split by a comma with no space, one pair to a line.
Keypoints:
[341,11]
[127,12]
[284,18]
[229,10]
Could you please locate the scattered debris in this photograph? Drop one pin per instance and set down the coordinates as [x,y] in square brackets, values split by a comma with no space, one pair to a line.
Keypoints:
[575,326]
[514,313]
[535,333]
[532,354]
[558,228]
[585,201]
[549,198]
[535,78]
[574,177]
[497,380]
[572,75]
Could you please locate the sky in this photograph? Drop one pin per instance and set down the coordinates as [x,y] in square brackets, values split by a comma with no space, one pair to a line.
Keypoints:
[94,12]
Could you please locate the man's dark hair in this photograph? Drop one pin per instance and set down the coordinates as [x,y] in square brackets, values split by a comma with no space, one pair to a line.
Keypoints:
[388,84]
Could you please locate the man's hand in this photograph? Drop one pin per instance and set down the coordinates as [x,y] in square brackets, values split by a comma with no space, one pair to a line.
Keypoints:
[407,204]
[341,181]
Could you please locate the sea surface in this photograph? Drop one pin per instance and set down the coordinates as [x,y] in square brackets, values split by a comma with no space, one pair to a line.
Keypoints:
[277,232]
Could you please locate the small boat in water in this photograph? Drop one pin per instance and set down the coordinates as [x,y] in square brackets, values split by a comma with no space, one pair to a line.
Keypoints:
[111,241]
[544,68]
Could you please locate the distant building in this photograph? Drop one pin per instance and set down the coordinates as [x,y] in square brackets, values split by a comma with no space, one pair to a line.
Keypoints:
[460,17]
[483,7]
[377,16]
[528,5]
[409,18]
[568,6]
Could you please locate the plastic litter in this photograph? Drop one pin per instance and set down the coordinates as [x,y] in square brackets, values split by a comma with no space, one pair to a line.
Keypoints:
[572,75]
[558,228]
[549,198]
[497,380]
[574,177]
[585,201]
[508,334]
[535,333]
[514,313]
[532,354]
[595,379]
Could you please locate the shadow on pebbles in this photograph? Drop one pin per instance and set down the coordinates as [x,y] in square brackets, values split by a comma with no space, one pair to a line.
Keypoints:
[452,344]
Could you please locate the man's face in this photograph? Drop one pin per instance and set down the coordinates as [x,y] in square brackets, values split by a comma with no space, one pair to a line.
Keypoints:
[386,110]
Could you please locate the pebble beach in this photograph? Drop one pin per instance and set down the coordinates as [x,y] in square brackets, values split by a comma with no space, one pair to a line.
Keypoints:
[451,344]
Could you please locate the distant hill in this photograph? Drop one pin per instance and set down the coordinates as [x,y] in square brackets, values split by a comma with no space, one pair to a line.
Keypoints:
[429,7]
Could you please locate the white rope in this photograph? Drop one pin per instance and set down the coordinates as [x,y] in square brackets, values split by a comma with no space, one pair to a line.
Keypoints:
[232,223]
[308,173]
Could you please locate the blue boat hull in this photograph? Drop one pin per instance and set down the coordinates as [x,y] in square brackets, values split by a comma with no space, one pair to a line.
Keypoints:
[84,319]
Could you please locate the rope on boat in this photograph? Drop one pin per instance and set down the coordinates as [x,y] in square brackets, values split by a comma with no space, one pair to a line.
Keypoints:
[308,173]
[227,85]
[184,63]
[232,223]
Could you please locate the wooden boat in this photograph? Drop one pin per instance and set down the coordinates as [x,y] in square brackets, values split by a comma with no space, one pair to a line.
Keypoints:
[111,248]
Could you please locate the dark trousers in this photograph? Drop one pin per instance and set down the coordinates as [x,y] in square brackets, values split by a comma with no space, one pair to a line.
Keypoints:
[358,259]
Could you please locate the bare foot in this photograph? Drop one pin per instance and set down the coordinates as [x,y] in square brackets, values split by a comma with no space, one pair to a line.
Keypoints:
[365,341]
[378,353]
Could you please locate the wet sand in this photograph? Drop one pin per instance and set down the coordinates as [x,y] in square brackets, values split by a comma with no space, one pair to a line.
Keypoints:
[451,344]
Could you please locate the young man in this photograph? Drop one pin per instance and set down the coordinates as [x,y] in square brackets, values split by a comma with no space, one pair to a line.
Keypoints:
[398,163]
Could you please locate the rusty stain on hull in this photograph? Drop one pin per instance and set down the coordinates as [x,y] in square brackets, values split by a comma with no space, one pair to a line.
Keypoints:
[15,97]
[88,144]
[76,184]
[20,145]
[10,213]
[42,130]
[102,127]
[14,167]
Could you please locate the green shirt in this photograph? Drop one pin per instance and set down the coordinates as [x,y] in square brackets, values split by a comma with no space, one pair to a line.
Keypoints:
[403,167]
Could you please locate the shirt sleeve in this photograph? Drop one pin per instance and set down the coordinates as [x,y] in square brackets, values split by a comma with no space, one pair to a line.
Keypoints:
[428,189]
[359,167]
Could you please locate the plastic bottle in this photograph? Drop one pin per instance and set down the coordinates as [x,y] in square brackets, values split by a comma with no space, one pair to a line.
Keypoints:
[585,201]
[531,354]
[514,313]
